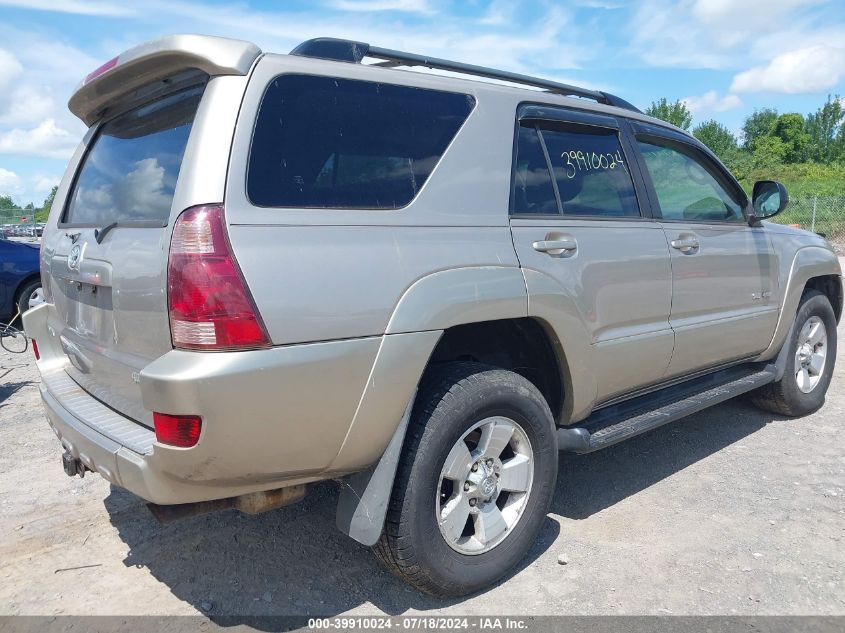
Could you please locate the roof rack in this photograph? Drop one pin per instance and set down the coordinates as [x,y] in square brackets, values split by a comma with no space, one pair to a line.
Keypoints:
[351,51]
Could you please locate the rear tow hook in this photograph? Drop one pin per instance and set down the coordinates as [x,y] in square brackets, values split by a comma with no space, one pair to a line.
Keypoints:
[72,465]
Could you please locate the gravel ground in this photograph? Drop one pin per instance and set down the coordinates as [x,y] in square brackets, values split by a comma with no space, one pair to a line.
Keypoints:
[731,511]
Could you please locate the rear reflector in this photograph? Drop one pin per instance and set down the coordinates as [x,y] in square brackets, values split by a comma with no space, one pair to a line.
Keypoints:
[210,305]
[35,350]
[105,67]
[177,430]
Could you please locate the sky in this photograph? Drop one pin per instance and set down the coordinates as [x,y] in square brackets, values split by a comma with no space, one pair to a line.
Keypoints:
[723,57]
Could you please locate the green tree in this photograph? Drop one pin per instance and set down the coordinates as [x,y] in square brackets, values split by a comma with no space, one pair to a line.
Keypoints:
[822,128]
[43,214]
[758,125]
[717,137]
[769,151]
[789,128]
[675,113]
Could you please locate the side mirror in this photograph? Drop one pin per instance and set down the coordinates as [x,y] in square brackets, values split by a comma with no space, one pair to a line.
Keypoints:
[768,199]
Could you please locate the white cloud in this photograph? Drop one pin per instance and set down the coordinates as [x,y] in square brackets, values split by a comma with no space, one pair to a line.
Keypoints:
[499,13]
[720,34]
[80,7]
[41,184]
[20,102]
[710,101]
[10,68]
[408,6]
[722,12]
[10,182]
[517,46]
[806,70]
[46,140]
[25,104]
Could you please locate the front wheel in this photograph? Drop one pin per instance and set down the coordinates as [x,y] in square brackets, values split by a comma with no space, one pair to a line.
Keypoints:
[809,362]
[474,483]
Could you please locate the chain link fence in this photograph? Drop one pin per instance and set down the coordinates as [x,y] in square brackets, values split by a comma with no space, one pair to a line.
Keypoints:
[18,215]
[821,214]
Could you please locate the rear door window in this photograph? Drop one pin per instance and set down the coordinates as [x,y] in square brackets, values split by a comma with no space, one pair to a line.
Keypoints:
[323,142]
[591,172]
[576,170]
[129,174]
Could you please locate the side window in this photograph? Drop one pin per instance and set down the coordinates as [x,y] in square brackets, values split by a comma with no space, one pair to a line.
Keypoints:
[325,142]
[533,191]
[591,171]
[686,188]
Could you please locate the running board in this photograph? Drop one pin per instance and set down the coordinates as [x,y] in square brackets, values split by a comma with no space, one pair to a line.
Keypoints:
[610,425]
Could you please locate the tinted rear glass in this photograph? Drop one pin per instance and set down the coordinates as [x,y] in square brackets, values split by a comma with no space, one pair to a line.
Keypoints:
[337,143]
[130,172]
[533,191]
[591,172]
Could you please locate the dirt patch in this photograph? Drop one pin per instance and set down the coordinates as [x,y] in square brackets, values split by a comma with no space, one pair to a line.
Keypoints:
[731,511]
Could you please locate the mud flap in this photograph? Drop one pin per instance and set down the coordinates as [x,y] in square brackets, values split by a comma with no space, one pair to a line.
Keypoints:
[362,505]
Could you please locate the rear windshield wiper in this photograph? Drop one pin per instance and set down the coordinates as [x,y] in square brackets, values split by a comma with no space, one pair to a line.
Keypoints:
[100,234]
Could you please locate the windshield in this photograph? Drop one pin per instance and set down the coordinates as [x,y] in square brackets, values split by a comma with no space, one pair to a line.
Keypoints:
[130,172]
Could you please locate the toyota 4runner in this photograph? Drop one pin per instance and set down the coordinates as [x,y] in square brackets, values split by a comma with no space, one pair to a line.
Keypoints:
[263,271]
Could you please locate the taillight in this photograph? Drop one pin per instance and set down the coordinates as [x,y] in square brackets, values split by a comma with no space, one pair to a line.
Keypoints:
[35,350]
[210,305]
[182,431]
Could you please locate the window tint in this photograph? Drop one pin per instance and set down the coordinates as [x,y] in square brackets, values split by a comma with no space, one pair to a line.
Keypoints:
[336,143]
[686,189]
[591,172]
[130,172]
[533,191]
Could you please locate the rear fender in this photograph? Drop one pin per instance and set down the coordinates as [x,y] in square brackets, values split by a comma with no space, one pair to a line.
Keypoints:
[373,444]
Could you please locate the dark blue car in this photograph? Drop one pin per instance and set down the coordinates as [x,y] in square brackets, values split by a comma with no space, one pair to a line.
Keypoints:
[20,282]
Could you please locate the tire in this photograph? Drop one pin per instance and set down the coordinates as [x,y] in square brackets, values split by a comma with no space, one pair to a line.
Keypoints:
[796,395]
[22,303]
[453,400]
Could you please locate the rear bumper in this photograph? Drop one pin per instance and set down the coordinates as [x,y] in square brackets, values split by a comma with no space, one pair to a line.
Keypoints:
[271,418]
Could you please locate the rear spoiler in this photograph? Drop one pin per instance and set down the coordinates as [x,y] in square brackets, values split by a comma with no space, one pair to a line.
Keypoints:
[156,60]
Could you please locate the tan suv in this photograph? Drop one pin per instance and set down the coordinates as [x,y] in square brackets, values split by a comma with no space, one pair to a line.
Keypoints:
[266,270]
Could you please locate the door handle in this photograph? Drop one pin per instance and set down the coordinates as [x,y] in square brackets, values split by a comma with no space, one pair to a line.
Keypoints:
[685,244]
[557,246]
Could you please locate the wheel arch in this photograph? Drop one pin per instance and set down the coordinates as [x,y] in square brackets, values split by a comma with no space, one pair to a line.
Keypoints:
[811,267]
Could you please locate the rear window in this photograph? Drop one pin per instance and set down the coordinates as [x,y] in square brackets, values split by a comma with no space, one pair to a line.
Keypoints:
[130,172]
[322,142]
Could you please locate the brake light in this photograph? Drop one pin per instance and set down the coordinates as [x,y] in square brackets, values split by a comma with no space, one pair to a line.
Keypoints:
[102,69]
[35,350]
[210,305]
[177,430]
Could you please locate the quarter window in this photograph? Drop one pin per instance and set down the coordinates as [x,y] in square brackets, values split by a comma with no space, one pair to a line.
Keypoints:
[323,142]
[533,191]
[686,188]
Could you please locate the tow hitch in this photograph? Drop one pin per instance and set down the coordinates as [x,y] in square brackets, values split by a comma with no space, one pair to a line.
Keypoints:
[72,465]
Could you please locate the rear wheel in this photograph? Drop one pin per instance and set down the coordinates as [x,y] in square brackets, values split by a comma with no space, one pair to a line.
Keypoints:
[474,482]
[809,362]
